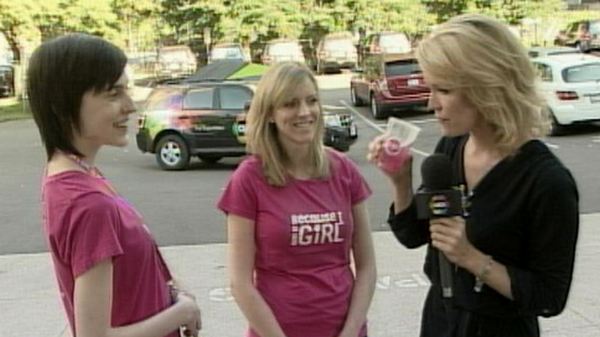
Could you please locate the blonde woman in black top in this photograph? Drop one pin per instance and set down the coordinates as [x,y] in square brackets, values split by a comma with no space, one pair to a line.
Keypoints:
[514,247]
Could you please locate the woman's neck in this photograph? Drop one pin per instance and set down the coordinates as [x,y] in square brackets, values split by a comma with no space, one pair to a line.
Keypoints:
[63,161]
[299,162]
[88,152]
[481,140]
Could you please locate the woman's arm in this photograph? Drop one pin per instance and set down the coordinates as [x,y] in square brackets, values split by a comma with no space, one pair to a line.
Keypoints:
[240,232]
[93,303]
[449,236]
[366,273]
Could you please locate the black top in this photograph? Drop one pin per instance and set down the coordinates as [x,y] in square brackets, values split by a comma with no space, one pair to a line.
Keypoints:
[524,213]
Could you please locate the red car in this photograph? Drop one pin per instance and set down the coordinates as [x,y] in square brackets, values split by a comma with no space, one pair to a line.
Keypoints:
[388,82]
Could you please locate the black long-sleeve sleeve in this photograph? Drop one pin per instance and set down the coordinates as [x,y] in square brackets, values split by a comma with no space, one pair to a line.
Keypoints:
[541,287]
[412,233]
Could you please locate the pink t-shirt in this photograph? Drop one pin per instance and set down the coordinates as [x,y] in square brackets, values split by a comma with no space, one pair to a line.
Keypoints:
[303,236]
[85,222]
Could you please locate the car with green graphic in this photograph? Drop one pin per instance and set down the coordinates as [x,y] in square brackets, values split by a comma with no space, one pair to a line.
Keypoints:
[204,116]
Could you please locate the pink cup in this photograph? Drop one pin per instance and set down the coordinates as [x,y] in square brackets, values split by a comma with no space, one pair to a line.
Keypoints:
[394,155]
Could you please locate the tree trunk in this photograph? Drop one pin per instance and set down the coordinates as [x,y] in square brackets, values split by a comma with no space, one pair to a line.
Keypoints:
[11,38]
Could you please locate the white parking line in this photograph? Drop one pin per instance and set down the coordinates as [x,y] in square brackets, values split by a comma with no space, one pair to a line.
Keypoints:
[333,107]
[552,146]
[377,127]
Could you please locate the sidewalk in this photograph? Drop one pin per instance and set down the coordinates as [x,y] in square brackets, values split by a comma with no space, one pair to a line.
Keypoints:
[29,303]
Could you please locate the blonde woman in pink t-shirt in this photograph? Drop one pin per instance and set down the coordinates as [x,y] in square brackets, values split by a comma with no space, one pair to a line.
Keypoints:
[112,278]
[296,214]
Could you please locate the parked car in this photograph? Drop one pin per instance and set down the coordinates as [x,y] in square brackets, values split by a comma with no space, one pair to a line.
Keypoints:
[176,61]
[206,117]
[551,51]
[7,80]
[384,42]
[228,51]
[388,82]
[583,35]
[571,86]
[282,50]
[336,51]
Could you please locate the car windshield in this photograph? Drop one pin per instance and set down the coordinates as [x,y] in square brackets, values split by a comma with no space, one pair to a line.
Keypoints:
[284,48]
[395,42]
[583,73]
[174,56]
[402,68]
[226,53]
[338,44]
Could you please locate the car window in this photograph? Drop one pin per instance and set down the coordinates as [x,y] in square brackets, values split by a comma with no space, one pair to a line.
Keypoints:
[396,42]
[234,98]
[226,53]
[583,73]
[400,68]
[338,44]
[177,55]
[284,48]
[543,71]
[201,98]
[164,100]
[595,27]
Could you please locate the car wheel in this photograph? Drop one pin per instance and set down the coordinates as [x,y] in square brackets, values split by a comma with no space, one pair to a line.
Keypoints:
[210,159]
[376,109]
[172,153]
[557,129]
[356,101]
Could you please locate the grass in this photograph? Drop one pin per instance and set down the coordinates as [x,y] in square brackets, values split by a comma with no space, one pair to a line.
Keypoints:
[12,109]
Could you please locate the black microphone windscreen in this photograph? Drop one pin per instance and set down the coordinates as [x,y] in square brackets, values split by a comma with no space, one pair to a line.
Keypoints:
[436,171]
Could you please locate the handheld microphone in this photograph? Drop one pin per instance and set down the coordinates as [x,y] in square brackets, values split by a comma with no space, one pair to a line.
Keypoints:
[437,199]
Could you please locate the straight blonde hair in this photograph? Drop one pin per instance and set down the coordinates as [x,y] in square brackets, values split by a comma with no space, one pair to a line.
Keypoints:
[485,61]
[274,89]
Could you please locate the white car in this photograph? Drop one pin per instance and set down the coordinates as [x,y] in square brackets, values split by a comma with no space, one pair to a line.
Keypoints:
[552,51]
[571,86]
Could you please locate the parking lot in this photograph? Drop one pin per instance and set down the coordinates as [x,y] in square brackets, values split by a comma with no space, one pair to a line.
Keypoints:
[180,209]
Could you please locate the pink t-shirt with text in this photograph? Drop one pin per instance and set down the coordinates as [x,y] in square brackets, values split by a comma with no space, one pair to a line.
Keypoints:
[85,223]
[303,237]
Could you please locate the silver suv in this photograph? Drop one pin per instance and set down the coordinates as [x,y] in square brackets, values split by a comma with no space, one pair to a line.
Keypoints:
[282,50]
[176,61]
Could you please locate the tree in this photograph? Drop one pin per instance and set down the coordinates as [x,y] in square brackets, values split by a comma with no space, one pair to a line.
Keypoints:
[445,9]
[138,16]
[14,19]
[57,17]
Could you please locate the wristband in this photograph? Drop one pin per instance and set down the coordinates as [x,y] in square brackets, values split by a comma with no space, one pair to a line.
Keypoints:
[485,269]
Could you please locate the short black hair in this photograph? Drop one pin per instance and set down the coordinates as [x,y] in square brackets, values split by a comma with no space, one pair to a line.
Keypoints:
[60,72]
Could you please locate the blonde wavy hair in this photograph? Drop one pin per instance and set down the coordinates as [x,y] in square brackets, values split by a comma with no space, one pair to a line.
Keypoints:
[485,61]
[274,89]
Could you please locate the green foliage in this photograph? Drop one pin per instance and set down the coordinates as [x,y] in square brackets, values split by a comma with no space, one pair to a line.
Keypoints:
[139,25]
[445,9]
[14,19]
